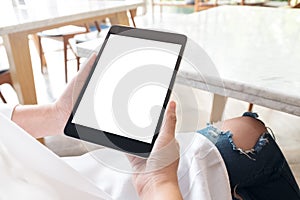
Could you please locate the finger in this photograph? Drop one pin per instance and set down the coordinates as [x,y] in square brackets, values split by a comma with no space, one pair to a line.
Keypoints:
[133,159]
[83,73]
[168,129]
[136,163]
[171,119]
[87,65]
[166,148]
[90,61]
[78,82]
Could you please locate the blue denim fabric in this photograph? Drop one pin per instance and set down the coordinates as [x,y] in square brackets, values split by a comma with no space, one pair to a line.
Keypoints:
[261,173]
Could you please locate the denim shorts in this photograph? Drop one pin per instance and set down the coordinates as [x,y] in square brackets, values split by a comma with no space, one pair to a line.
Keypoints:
[261,173]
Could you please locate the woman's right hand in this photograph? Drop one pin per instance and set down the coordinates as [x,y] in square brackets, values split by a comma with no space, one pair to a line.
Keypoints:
[156,177]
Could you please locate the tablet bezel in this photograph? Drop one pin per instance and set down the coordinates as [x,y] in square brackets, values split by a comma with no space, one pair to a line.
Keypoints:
[111,140]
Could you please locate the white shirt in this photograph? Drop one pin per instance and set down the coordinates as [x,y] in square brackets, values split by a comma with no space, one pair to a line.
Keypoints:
[99,174]
[7,110]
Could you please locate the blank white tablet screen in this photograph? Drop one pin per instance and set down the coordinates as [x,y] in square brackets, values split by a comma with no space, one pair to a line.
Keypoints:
[128,87]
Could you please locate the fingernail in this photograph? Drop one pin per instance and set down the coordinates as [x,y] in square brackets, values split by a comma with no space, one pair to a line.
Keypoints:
[172,106]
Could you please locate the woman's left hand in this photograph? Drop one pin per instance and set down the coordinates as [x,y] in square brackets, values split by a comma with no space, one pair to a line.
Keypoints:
[64,105]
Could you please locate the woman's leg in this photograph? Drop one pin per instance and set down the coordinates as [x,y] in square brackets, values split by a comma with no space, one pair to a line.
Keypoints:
[245,131]
[256,167]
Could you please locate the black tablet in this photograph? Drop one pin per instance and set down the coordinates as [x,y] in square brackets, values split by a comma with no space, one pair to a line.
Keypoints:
[123,101]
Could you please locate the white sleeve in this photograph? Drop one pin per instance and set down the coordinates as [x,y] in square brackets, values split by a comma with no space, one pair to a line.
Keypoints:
[7,110]
[36,171]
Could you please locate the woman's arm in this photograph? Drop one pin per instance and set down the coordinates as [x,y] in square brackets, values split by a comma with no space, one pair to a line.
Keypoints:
[38,120]
[50,119]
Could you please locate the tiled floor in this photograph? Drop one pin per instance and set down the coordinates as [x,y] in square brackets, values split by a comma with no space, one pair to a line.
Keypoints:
[49,86]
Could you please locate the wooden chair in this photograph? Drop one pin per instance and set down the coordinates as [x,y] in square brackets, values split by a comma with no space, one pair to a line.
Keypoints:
[5,78]
[64,33]
[83,38]
[93,35]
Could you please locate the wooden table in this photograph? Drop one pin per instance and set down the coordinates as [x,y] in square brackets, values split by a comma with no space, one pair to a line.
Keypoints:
[254,50]
[38,15]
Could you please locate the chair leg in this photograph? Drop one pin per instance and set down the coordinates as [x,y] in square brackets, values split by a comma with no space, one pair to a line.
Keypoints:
[38,45]
[2,98]
[97,26]
[132,15]
[78,62]
[250,108]
[65,40]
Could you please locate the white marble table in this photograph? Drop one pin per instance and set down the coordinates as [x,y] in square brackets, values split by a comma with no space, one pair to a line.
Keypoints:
[37,15]
[255,51]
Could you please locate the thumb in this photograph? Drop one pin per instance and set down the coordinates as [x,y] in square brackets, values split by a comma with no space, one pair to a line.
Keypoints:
[166,148]
[171,119]
[167,132]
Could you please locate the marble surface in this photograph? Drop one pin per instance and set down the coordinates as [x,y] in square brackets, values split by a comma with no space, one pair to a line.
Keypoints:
[39,13]
[254,49]
[247,53]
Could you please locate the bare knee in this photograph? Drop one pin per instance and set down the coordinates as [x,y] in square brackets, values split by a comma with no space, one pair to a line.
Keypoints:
[245,131]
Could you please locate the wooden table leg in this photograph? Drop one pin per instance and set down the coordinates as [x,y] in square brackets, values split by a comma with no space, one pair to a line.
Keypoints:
[120,18]
[218,107]
[18,53]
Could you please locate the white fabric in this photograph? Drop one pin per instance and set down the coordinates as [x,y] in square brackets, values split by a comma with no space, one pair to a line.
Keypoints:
[202,173]
[7,110]
[30,171]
